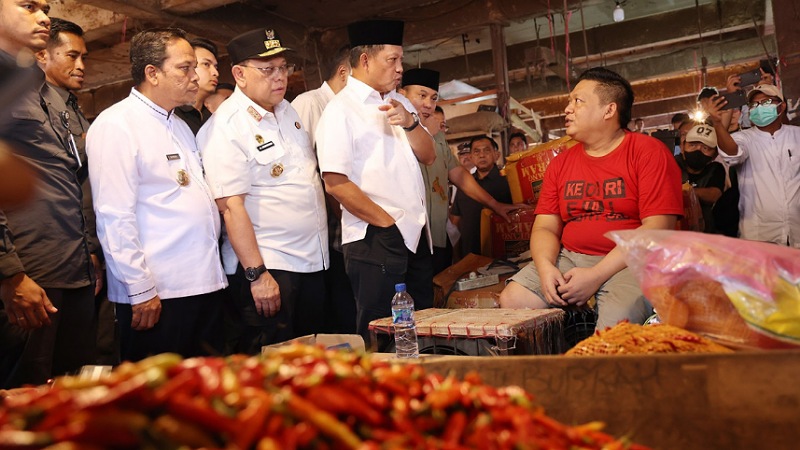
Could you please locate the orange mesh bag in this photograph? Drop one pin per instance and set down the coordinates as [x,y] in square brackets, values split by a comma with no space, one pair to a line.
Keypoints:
[627,338]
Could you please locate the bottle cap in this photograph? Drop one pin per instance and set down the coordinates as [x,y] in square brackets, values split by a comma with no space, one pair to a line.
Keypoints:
[400,287]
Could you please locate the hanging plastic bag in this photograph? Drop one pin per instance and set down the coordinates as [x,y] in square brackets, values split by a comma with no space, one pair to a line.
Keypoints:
[738,292]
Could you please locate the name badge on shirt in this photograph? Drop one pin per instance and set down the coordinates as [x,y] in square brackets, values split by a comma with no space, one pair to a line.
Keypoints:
[173,157]
[265,146]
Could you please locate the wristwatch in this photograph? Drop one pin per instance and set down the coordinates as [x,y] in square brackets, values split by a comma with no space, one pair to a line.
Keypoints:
[413,125]
[252,273]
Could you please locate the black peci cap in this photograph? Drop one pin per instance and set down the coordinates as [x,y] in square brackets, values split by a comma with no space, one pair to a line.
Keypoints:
[376,32]
[260,43]
[421,77]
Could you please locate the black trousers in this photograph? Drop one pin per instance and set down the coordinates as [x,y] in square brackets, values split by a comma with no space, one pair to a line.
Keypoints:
[190,326]
[378,262]
[442,258]
[33,357]
[340,307]
[302,311]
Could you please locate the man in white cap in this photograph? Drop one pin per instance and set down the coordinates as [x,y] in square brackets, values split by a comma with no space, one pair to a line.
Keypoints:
[767,157]
[262,172]
[698,168]
[368,142]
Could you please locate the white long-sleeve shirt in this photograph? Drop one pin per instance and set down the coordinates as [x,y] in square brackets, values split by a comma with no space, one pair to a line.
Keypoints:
[159,237]
[769,184]
[354,139]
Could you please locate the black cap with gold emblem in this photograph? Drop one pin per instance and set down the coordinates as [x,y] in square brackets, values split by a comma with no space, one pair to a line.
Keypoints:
[260,43]
[376,32]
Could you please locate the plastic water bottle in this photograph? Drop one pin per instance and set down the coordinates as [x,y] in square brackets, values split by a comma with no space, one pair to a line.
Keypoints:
[405,329]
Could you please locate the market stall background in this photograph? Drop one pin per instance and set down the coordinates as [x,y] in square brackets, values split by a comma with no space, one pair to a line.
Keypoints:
[529,50]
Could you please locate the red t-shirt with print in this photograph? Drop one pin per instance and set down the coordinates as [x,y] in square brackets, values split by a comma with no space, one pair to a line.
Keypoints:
[594,195]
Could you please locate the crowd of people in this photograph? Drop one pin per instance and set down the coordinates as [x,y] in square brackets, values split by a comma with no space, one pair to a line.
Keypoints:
[227,218]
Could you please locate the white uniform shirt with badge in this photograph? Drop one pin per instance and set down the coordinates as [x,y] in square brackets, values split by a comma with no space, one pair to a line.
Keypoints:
[769,184]
[156,219]
[269,158]
[355,139]
[309,106]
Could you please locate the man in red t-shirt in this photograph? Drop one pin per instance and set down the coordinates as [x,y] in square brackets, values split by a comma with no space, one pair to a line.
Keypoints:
[611,180]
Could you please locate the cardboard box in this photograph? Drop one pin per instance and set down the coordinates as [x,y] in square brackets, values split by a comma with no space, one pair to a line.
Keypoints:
[483,332]
[747,400]
[505,240]
[525,170]
[443,282]
[485,297]
[352,342]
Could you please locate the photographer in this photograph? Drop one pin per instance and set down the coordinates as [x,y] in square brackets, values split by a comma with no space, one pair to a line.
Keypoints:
[769,174]
[765,74]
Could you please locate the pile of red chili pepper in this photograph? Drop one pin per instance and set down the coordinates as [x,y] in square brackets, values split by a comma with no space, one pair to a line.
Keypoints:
[296,397]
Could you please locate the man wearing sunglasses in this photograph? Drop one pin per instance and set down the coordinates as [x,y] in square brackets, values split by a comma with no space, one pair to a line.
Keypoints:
[768,161]
[262,171]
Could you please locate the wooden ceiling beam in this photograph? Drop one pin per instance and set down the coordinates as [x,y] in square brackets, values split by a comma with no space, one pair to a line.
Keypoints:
[88,17]
[219,26]
[184,7]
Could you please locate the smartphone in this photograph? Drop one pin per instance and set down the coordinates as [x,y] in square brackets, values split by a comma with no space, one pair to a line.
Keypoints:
[735,99]
[748,78]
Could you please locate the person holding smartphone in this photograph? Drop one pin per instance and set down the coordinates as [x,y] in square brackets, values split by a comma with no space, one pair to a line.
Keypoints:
[768,161]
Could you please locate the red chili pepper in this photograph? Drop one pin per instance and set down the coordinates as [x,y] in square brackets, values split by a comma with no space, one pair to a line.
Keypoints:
[210,374]
[455,428]
[198,410]
[252,418]
[305,433]
[324,421]
[108,428]
[57,410]
[185,381]
[339,401]
[10,439]
[268,443]
[443,398]
[134,390]
[274,424]
[182,432]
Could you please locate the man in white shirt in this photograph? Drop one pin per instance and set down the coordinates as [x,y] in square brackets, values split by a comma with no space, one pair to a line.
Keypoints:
[369,143]
[340,305]
[767,157]
[310,104]
[156,219]
[263,174]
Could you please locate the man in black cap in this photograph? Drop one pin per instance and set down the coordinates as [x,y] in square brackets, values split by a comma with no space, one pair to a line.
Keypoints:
[421,88]
[369,144]
[263,174]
